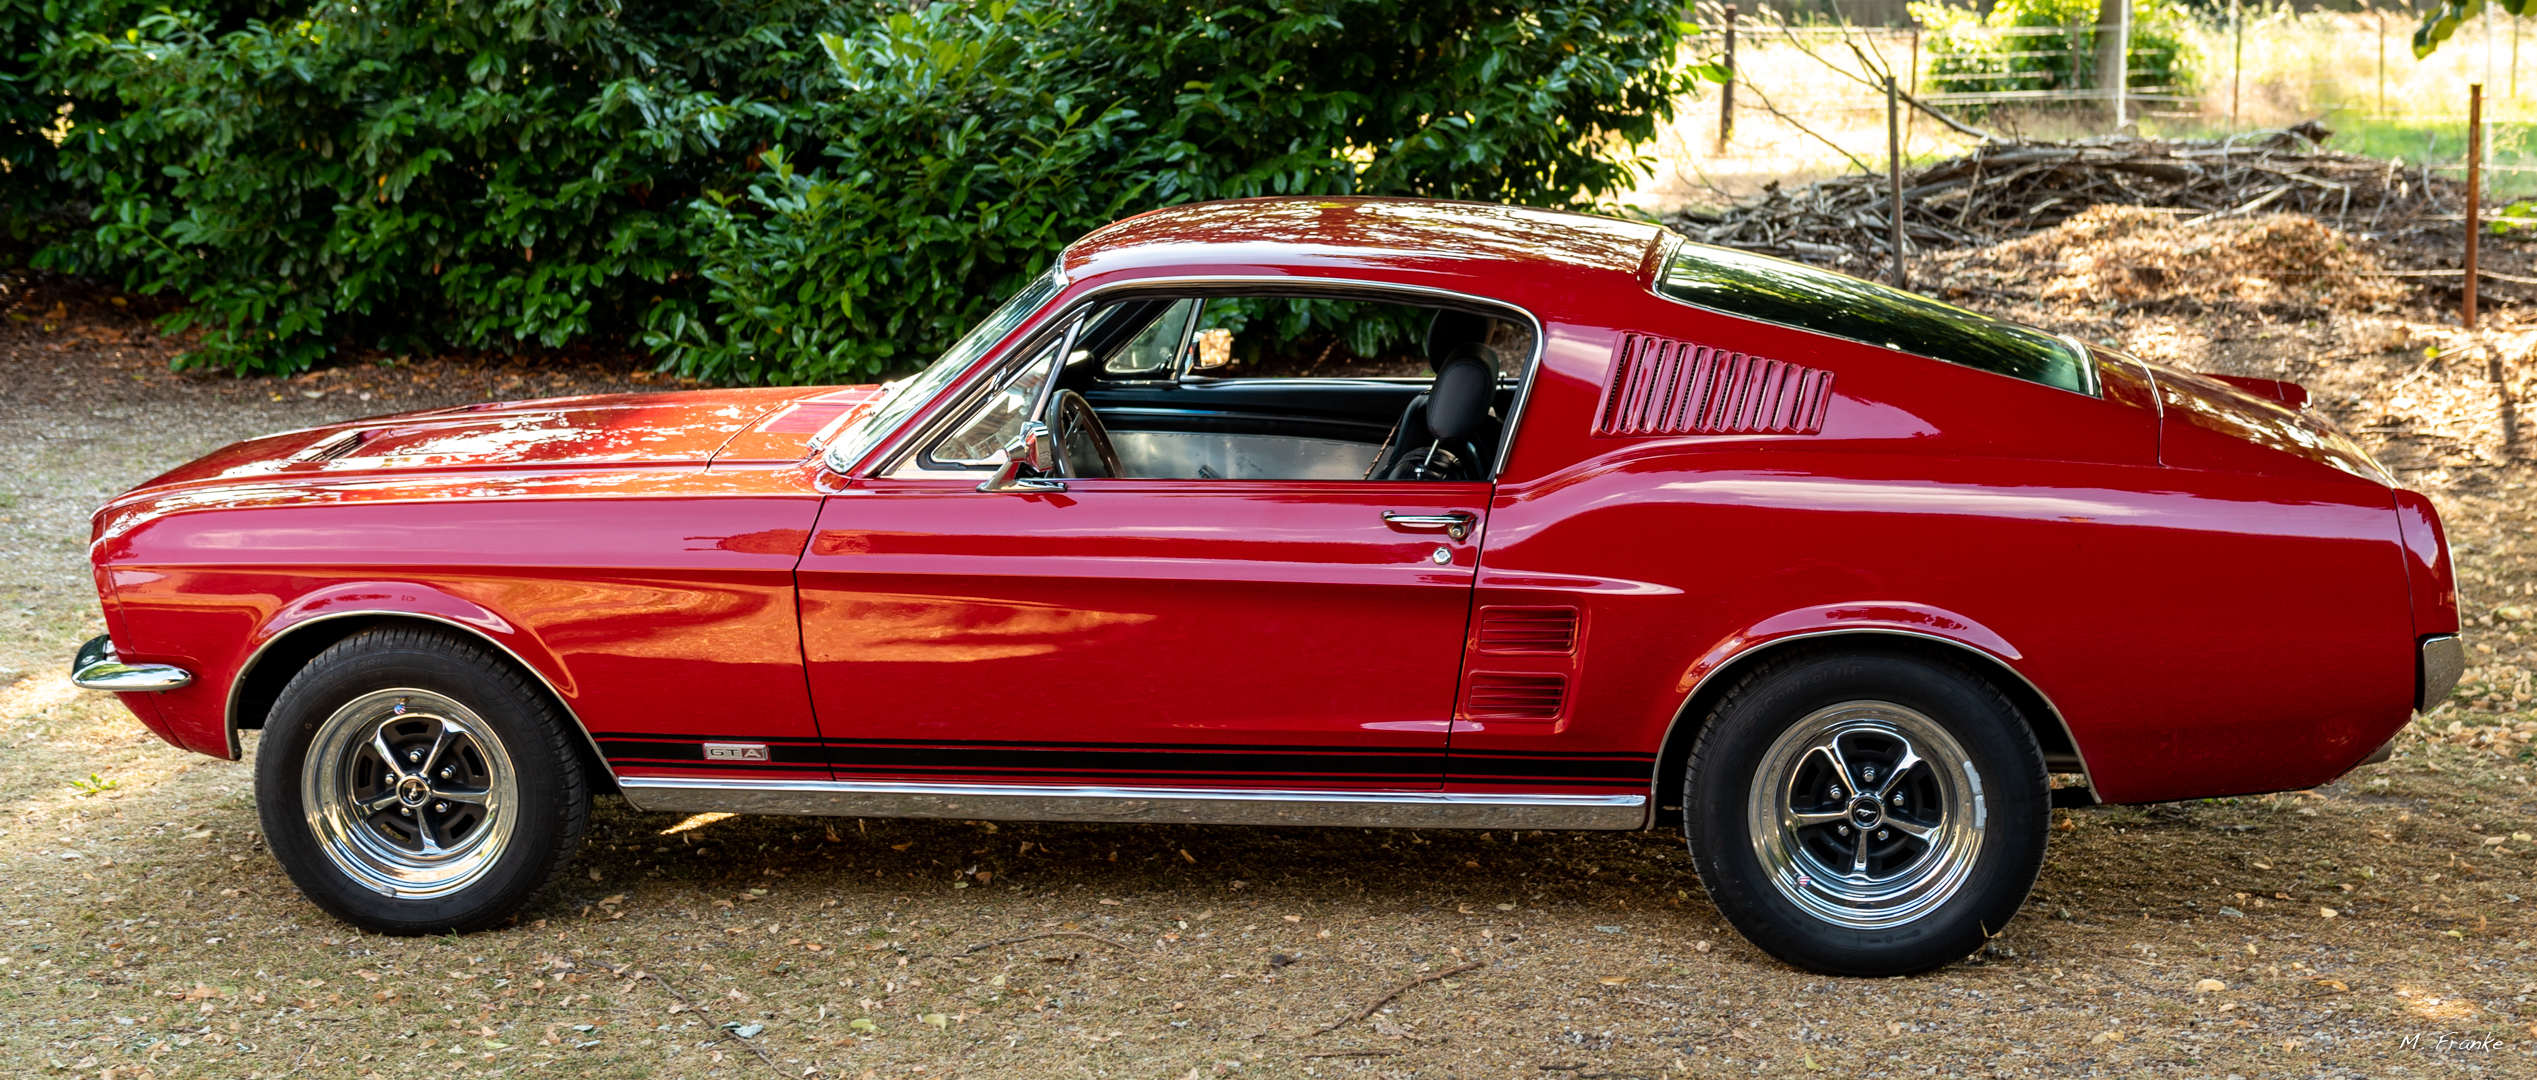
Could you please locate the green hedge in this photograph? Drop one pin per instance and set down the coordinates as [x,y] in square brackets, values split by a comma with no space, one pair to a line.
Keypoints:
[763,192]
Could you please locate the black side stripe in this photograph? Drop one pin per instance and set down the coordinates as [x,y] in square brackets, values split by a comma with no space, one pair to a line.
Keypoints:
[1223,762]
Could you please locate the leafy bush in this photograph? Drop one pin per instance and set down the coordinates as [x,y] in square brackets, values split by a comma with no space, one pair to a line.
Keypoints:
[772,190]
[1963,60]
[2445,16]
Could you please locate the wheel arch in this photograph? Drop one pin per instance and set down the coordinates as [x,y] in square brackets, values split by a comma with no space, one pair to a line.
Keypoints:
[260,680]
[2043,719]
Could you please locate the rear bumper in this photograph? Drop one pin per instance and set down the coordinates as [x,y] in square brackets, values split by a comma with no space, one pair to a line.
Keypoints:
[2443,661]
[96,667]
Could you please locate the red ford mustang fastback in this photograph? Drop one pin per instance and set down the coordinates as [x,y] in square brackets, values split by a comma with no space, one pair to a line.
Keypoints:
[1549,522]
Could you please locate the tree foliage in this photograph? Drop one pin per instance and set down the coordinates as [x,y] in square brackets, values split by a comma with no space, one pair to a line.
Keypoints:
[2445,16]
[764,190]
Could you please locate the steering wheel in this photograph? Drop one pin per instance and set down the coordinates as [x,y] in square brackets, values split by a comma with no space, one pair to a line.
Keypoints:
[1083,445]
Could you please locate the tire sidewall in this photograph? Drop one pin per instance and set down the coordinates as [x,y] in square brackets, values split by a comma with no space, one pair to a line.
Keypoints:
[1719,786]
[367,663]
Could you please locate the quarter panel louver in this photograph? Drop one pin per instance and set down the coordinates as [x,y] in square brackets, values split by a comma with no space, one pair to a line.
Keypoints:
[1665,387]
[1509,696]
[1528,631]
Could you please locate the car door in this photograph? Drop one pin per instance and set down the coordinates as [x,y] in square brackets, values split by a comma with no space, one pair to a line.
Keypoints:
[1193,631]
[1168,633]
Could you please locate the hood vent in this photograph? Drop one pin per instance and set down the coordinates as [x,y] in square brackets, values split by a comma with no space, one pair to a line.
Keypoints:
[1663,387]
[1528,631]
[1508,696]
[329,451]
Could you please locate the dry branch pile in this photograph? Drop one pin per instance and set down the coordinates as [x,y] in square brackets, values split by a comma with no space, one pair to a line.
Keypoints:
[2006,189]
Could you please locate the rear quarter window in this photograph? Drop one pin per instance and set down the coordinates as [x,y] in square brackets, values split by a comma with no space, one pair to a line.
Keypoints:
[1776,290]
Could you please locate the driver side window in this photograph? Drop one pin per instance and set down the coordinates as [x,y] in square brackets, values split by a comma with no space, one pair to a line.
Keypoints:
[1286,387]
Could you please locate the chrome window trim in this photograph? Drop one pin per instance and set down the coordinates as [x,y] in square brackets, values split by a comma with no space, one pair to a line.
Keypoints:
[1185,359]
[239,681]
[2096,387]
[1192,806]
[1687,725]
[897,451]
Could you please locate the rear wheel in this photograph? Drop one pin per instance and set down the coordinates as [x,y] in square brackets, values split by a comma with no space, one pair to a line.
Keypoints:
[1866,813]
[413,781]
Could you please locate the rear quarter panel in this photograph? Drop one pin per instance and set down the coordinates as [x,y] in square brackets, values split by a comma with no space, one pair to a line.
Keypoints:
[2201,632]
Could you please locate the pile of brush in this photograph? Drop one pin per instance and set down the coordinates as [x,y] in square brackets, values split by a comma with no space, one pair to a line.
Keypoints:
[2005,189]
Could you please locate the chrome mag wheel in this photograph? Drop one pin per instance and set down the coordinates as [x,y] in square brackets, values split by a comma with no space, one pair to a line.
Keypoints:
[1866,814]
[409,793]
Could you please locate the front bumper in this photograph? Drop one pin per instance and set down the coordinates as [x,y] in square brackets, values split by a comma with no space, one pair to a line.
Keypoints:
[96,667]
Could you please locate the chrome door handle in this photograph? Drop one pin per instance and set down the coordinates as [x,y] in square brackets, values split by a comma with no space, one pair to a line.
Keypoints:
[1456,524]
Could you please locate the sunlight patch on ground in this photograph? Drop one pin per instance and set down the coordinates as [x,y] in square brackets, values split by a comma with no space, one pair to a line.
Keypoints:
[19,701]
[697,822]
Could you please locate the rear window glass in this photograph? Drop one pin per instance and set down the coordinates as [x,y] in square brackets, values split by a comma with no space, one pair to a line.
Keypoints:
[1775,290]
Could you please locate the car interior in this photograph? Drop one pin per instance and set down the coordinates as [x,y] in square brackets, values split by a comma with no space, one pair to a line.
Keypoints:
[1256,388]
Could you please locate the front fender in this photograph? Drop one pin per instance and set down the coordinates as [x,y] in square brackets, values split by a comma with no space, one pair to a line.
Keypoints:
[206,716]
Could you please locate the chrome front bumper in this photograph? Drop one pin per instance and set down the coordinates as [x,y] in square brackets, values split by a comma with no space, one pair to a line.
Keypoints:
[96,667]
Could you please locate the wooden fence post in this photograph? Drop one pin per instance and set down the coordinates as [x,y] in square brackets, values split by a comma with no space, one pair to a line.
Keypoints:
[1726,91]
[2237,57]
[2475,193]
[1894,175]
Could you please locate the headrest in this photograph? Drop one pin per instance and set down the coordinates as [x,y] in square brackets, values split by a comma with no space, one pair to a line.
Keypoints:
[1458,402]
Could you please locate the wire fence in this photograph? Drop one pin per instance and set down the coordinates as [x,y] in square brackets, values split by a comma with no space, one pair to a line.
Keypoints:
[1809,103]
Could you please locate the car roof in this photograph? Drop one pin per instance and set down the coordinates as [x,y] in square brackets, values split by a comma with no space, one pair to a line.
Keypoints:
[1382,236]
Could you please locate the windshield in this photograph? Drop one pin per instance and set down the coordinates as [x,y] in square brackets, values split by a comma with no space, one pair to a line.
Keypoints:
[1775,290]
[904,396]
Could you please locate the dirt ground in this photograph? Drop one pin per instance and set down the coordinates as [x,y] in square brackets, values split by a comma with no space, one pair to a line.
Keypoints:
[2375,926]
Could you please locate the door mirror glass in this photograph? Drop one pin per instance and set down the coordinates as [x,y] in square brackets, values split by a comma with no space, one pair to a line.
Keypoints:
[1211,349]
[1035,448]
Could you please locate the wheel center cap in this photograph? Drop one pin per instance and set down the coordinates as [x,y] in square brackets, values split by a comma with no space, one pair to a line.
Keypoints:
[413,791]
[1866,812]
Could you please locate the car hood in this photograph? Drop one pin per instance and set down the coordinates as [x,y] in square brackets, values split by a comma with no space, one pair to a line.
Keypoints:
[699,428]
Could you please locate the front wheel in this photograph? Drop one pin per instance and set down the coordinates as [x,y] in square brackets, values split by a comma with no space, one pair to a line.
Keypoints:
[411,781]
[1866,813]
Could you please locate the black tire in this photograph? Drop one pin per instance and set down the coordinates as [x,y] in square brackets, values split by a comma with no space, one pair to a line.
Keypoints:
[494,737]
[1797,890]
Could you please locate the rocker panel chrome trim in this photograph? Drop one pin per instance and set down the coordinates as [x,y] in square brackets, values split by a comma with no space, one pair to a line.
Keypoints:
[1176,806]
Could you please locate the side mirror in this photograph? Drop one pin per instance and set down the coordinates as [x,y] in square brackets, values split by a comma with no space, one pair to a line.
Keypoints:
[1212,349]
[1034,449]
